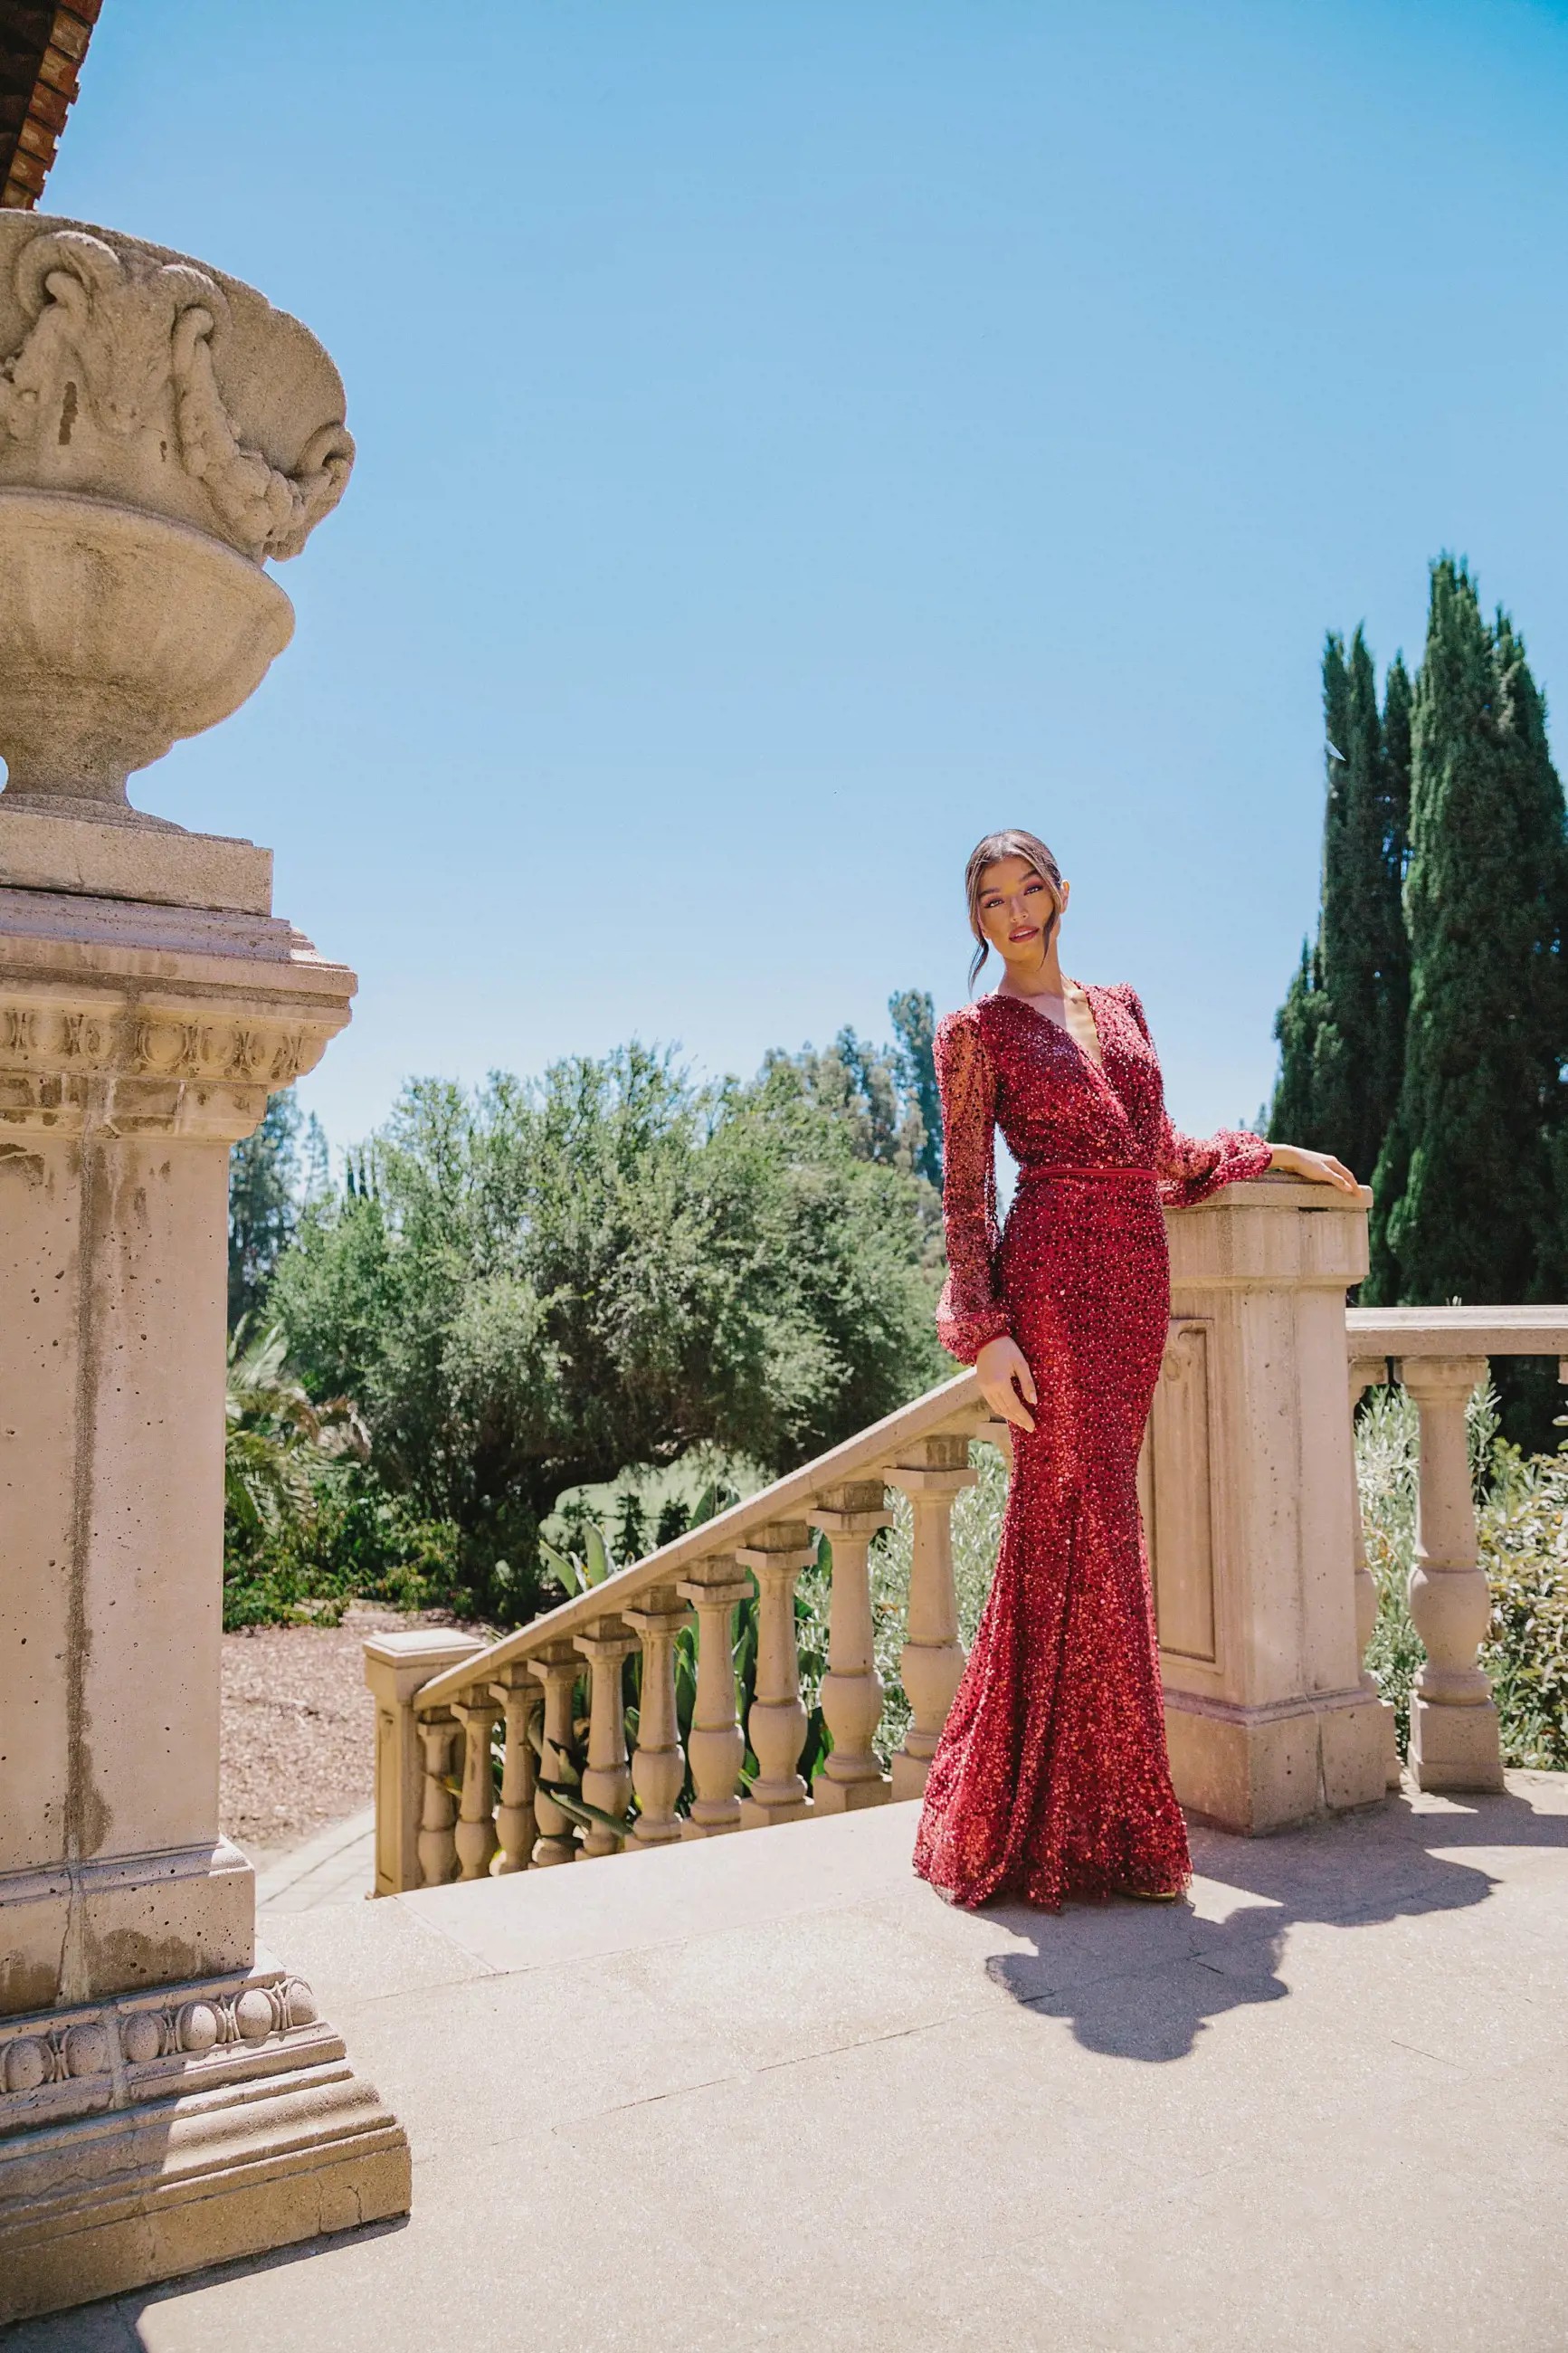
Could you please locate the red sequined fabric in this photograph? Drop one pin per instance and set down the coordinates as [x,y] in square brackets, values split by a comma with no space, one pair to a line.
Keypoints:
[1051,1777]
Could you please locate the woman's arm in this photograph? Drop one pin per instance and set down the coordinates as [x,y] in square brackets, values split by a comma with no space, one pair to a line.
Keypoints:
[970,1312]
[971,1320]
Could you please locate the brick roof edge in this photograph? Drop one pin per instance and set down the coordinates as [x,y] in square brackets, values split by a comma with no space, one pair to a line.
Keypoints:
[41,52]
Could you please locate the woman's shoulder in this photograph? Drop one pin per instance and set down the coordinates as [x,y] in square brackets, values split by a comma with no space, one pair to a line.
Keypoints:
[964,1021]
[1126,996]
[961,1042]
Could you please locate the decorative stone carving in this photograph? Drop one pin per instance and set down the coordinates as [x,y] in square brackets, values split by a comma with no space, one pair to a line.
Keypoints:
[237,2075]
[1178,1515]
[136,367]
[192,1046]
[163,431]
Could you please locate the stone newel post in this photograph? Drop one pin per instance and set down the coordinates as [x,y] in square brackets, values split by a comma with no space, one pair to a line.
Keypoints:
[1248,1494]
[168,2097]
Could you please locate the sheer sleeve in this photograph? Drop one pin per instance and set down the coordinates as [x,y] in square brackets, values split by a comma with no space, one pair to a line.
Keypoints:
[970,1312]
[1190,1167]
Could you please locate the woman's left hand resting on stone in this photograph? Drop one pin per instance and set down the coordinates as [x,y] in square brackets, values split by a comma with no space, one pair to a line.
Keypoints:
[1314,1167]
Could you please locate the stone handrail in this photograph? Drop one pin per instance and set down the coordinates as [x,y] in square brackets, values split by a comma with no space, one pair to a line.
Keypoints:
[433,1688]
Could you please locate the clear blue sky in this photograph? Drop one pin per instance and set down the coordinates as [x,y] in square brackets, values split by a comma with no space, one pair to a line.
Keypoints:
[798,435]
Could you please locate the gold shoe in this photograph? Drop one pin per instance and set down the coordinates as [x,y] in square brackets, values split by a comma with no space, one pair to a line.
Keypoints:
[1156,1895]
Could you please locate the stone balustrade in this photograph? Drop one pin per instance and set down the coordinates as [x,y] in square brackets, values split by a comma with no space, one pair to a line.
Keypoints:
[447,1705]
[1265,1601]
[1440,1354]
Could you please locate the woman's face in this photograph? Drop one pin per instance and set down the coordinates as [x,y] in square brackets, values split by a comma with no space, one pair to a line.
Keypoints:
[1015,905]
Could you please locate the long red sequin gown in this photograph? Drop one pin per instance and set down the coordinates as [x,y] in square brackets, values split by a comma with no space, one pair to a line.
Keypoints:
[1051,1777]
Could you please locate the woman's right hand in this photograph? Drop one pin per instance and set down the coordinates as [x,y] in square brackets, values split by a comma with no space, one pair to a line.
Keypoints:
[1006,1381]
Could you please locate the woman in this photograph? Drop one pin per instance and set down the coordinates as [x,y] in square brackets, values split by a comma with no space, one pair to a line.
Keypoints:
[1051,1777]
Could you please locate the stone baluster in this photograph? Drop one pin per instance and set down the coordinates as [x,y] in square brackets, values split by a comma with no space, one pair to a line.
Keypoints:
[931,1661]
[716,1746]
[476,1834]
[439,1812]
[517,1696]
[998,1433]
[1368,1372]
[658,1765]
[1454,1742]
[607,1780]
[851,1689]
[557,1669]
[777,1721]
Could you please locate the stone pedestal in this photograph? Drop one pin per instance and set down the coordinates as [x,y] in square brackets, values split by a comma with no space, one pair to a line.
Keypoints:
[167,2099]
[1247,1488]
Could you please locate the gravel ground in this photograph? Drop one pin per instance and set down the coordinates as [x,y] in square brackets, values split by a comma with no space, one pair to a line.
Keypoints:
[298,1728]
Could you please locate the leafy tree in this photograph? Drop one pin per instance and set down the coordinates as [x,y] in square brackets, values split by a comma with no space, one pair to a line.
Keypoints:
[530,1289]
[263,1174]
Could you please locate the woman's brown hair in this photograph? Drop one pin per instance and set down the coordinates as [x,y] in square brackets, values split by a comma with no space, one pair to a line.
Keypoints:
[1013,843]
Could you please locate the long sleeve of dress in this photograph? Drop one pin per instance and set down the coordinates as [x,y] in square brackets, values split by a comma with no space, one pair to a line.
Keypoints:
[1190,1167]
[970,1312]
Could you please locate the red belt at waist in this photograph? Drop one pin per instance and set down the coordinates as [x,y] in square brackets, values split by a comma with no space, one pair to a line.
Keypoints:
[1033,1169]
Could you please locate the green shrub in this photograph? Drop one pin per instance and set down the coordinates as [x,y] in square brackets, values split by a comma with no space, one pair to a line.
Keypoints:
[348,1540]
[1524,1547]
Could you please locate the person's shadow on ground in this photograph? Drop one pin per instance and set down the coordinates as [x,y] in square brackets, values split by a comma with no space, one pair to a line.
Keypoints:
[1143,1980]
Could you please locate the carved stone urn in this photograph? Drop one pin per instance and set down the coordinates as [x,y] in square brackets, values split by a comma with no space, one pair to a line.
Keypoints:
[164,433]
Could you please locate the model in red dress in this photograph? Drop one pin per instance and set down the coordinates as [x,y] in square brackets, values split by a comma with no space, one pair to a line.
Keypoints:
[1052,1776]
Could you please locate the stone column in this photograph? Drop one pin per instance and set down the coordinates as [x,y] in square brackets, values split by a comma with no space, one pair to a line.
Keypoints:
[716,1746]
[168,2096]
[776,1722]
[1368,1372]
[658,1764]
[607,1778]
[1248,1494]
[1454,1741]
[851,1692]
[932,1660]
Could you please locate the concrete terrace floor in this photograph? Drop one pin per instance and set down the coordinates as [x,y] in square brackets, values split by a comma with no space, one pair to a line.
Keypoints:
[768,2091]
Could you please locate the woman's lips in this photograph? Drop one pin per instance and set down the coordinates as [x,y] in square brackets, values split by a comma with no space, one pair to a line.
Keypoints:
[1029,931]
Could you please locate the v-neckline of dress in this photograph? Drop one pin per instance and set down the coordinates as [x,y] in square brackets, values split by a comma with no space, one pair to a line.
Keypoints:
[1090,991]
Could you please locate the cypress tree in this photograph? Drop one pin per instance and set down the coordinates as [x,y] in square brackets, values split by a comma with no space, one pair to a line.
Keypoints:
[262,1210]
[1392,1166]
[1468,1206]
[1359,916]
[1292,1115]
[1341,1029]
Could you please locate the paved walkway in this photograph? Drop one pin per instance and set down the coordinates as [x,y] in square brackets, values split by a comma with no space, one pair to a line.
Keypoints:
[768,2091]
[336,1866]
